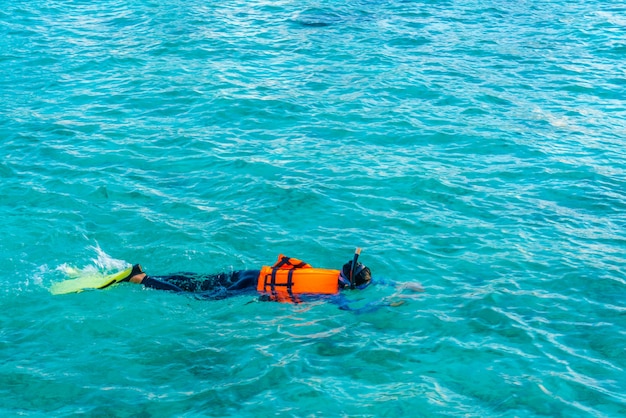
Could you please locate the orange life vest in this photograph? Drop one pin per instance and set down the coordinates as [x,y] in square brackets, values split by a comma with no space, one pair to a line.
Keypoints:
[290,277]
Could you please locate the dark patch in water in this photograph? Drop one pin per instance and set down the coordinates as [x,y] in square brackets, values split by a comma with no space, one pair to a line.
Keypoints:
[316,18]
[313,24]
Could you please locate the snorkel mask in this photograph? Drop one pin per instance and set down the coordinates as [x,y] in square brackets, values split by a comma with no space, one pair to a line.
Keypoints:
[355,275]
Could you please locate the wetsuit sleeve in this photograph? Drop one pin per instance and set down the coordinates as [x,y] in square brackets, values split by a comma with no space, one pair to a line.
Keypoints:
[343,303]
[384,282]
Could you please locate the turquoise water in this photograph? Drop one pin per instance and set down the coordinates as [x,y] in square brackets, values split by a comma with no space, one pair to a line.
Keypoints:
[475,147]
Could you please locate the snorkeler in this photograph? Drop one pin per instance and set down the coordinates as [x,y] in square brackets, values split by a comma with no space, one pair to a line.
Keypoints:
[288,280]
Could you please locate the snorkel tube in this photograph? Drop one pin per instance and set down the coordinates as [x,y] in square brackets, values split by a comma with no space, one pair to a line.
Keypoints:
[357,252]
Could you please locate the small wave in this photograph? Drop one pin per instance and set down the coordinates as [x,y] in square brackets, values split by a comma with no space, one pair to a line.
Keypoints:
[102,263]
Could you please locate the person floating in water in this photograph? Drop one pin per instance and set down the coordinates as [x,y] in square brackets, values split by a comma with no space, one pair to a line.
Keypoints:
[288,280]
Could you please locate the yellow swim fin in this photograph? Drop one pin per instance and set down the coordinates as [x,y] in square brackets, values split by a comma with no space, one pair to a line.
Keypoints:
[89,281]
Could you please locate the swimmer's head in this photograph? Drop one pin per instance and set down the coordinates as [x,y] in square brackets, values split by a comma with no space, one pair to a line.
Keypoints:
[361,275]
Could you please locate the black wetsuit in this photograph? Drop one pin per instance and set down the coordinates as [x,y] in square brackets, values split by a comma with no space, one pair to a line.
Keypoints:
[207,286]
[224,285]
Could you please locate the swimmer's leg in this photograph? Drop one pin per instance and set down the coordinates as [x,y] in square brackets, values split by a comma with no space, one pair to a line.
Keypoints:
[193,282]
[244,279]
[140,277]
[160,285]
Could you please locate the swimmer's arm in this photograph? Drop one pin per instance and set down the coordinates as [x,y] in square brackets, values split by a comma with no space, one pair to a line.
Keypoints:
[404,291]
[400,286]
[410,286]
[344,304]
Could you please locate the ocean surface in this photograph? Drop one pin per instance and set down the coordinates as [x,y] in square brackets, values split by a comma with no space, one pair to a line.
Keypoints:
[475,147]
